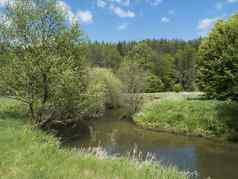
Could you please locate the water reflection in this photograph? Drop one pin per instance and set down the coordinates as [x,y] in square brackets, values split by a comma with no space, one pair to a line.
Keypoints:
[190,154]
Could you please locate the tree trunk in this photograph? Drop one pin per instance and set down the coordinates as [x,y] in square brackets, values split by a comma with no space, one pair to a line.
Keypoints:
[32,111]
[45,88]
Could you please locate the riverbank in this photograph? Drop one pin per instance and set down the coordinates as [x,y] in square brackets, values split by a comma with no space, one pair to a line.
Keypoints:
[29,153]
[190,116]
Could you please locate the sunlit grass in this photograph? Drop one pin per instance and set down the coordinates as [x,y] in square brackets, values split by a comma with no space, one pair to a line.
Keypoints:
[28,153]
[192,117]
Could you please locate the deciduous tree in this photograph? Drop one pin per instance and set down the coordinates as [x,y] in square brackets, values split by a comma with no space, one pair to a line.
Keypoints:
[219,60]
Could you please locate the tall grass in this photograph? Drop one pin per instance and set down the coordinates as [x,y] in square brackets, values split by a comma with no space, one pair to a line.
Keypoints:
[28,153]
[193,117]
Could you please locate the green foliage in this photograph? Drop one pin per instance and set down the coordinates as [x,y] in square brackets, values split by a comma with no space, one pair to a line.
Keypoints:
[45,66]
[153,84]
[185,61]
[28,153]
[104,55]
[192,117]
[165,69]
[110,84]
[133,78]
[219,60]
[141,54]
[178,88]
[172,61]
[96,97]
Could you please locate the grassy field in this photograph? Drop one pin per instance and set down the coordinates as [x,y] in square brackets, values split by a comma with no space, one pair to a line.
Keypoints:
[28,153]
[148,97]
[188,115]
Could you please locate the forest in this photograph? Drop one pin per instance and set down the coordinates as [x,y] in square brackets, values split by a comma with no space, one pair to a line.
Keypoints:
[58,86]
[170,65]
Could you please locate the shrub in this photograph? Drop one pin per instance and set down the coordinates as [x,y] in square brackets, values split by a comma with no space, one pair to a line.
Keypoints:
[133,78]
[110,84]
[178,88]
[153,84]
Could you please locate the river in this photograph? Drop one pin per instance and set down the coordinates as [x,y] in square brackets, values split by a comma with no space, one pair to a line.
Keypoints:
[198,155]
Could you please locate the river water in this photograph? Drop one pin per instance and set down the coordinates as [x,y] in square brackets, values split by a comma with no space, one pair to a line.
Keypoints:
[198,155]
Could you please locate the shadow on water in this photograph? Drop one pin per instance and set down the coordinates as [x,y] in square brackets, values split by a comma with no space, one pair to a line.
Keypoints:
[228,114]
[119,137]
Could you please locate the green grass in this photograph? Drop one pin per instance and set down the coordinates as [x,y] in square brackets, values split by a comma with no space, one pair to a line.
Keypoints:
[148,97]
[208,118]
[28,153]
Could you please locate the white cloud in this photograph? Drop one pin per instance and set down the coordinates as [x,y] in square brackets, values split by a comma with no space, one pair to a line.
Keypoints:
[220,5]
[126,2]
[154,2]
[232,1]
[121,2]
[3,2]
[121,12]
[165,19]
[63,6]
[66,9]
[85,16]
[101,3]
[81,16]
[206,23]
[122,27]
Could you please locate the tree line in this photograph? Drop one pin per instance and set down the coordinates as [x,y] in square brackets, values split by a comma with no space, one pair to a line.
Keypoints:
[170,65]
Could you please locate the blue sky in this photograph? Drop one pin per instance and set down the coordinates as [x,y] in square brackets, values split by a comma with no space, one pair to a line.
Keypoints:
[114,20]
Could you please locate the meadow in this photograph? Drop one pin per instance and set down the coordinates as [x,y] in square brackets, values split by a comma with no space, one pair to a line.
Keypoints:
[27,152]
[189,114]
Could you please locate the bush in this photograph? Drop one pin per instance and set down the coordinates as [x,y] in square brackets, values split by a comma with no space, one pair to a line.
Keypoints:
[153,84]
[178,88]
[110,85]
[133,78]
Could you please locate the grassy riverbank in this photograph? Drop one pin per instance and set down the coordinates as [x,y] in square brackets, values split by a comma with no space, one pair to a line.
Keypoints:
[208,118]
[29,153]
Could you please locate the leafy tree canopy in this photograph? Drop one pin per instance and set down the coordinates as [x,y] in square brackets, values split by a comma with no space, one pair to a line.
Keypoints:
[219,60]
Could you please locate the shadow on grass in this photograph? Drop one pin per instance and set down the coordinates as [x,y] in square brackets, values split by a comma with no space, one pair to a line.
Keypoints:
[199,98]
[12,110]
[228,113]
[15,115]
